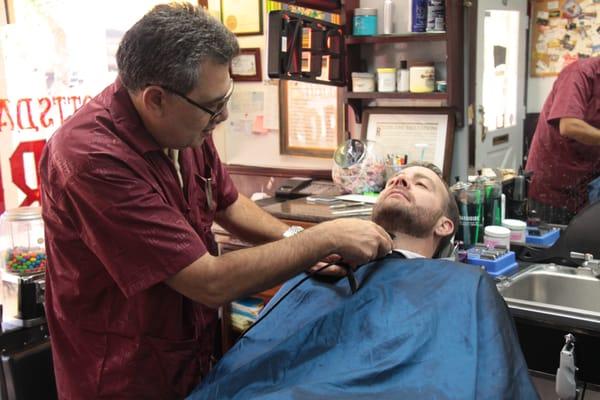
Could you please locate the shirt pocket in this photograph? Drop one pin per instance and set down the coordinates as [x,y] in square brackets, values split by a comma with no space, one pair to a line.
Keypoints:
[205,199]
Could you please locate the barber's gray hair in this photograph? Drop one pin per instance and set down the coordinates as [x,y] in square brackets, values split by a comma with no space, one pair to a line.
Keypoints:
[169,44]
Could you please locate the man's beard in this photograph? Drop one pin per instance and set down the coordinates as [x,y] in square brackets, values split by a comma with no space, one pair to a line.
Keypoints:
[414,220]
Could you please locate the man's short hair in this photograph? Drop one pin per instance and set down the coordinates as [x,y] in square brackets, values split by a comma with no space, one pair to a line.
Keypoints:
[450,210]
[168,45]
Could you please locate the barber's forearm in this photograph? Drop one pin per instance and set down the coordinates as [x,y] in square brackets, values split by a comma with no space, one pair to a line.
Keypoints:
[581,131]
[243,272]
[250,223]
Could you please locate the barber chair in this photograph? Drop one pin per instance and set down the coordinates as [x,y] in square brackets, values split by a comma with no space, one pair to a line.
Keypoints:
[581,236]
[26,371]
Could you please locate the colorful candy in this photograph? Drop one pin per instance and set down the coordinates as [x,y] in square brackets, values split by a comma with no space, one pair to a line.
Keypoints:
[24,261]
[367,176]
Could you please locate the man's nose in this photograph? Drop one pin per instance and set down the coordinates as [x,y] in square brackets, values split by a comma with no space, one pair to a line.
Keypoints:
[223,115]
[400,180]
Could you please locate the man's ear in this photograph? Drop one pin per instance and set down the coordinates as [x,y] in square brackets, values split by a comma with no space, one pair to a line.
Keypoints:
[444,226]
[153,99]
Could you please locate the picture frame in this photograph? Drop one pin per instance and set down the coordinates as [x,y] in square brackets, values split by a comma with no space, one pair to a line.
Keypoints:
[246,67]
[310,119]
[243,17]
[412,134]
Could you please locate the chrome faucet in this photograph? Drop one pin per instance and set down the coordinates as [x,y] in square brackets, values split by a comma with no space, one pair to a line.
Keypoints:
[588,262]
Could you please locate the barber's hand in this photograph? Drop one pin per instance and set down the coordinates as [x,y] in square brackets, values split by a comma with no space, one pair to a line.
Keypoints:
[332,270]
[357,241]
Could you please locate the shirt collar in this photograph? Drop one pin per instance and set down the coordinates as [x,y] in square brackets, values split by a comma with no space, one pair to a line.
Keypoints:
[409,254]
[127,121]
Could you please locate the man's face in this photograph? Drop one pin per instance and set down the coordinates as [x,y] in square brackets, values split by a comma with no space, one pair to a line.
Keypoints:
[186,124]
[412,202]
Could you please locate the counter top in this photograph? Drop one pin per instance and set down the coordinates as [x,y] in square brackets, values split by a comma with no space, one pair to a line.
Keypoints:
[301,210]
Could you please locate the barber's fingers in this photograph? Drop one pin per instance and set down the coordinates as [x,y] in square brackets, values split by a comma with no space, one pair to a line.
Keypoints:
[386,245]
[332,270]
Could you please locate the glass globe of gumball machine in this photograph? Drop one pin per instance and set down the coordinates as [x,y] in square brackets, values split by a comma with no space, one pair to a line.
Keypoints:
[359,167]
[23,262]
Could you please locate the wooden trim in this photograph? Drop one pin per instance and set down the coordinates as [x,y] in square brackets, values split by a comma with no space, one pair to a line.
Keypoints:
[397,38]
[455,58]
[278,172]
[472,38]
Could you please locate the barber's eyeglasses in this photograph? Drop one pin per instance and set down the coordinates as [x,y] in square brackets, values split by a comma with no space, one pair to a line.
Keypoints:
[214,114]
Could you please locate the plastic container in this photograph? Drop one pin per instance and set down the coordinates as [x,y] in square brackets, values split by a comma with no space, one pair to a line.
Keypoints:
[518,230]
[494,235]
[386,79]
[22,250]
[441,86]
[422,77]
[402,77]
[365,22]
[363,82]
[504,265]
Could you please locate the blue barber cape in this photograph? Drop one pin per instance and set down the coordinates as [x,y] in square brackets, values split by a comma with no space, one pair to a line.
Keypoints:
[416,329]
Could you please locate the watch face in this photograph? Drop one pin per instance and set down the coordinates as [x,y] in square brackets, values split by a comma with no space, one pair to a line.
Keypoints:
[292,230]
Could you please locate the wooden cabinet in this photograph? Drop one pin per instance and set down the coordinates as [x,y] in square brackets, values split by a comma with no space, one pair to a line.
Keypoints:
[366,53]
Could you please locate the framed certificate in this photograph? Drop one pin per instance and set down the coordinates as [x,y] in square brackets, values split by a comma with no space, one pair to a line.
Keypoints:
[412,134]
[247,66]
[310,120]
[242,17]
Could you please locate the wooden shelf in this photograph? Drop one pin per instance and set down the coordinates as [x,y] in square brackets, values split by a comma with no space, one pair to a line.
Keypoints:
[397,95]
[314,5]
[400,38]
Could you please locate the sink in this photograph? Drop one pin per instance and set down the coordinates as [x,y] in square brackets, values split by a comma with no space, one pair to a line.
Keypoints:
[553,293]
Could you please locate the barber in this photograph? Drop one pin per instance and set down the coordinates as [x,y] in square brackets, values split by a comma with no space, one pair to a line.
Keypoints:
[565,152]
[131,185]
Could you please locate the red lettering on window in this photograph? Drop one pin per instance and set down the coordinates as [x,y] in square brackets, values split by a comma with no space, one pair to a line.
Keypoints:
[45,103]
[17,169]
[5,111]
[32,125]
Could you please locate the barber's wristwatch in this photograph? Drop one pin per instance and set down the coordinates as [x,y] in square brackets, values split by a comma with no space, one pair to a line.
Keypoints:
[292,230]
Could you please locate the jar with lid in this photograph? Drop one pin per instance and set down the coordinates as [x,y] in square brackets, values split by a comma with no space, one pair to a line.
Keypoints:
[22,248]
[359,167]
[422,77]
[365,22]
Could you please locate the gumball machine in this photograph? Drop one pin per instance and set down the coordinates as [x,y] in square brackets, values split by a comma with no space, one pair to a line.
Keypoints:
[23,262]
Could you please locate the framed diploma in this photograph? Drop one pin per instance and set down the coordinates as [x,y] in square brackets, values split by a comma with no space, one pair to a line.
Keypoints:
[242,17]
[310,120]
[412,134]
[247,66]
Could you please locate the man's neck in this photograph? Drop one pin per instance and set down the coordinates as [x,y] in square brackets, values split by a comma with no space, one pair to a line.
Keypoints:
[424,246]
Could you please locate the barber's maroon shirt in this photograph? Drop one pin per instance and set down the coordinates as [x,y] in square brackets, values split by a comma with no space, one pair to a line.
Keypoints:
[563,167]
[117,225]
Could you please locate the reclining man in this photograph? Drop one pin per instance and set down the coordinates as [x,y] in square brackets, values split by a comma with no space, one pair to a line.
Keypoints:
[417,328]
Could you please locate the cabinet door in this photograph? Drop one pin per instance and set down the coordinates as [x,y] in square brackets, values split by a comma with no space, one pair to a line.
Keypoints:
[500,69]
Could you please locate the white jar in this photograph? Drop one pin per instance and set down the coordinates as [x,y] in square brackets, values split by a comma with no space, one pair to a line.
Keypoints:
[363,82]
[494,235]
[386,79]
[422,78]
[518,229]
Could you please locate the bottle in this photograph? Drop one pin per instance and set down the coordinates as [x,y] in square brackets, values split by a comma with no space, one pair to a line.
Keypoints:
[419,15]
[388,13]
[436,16]
[402,80]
